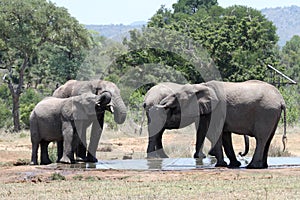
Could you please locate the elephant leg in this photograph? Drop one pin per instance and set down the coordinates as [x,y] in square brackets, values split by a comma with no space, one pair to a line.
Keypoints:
[151,147]
[201,134]
[34,153]
[259,160]
[217,151]
[159,146]
[45,160]
[155,148]
[68,152]
[229,151]
[94,140]
[80,130]
[60,148]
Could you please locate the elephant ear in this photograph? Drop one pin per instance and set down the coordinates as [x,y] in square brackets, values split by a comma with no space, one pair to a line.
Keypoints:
[169,101]
[206,97]
[84,106]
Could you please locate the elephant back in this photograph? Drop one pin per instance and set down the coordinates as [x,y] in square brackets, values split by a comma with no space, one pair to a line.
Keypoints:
[65,91]
[159,92]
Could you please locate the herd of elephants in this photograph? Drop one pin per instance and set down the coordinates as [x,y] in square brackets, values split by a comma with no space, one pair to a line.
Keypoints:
[218,109]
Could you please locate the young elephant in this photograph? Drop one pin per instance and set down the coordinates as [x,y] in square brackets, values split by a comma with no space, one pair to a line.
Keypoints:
[117,107]
[53,119]
[250,108]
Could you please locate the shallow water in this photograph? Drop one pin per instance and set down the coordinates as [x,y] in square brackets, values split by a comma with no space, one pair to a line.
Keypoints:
[172,164]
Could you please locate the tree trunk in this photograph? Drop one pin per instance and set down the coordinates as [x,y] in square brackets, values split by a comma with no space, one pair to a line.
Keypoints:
[16,93]
[16,113]
[16,105]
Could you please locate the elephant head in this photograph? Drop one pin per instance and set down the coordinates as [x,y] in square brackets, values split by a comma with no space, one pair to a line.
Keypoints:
[97,87]
[115,103]
[85,106]
[191,100]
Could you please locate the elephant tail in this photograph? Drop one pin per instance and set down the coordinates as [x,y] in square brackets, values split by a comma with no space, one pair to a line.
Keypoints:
[284,138]
[34,133]
[246,139]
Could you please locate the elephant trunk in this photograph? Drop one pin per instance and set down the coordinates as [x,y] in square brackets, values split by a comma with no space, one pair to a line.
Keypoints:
[104,99]
[120,110]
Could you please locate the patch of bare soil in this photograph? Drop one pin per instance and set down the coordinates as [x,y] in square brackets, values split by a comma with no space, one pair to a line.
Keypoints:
[16,150]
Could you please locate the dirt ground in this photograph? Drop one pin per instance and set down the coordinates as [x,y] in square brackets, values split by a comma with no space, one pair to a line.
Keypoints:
[15,153]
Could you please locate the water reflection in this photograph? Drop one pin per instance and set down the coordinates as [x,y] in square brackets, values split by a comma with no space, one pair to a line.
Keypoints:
[172,164]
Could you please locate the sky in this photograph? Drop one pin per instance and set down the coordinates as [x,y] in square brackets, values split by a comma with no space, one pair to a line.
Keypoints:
[125,12]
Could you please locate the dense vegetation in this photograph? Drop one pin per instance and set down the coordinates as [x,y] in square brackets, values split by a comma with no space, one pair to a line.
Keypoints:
[42,46]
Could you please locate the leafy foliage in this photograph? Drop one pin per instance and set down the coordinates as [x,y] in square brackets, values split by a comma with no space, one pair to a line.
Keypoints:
[291,60]
[42,46]
[35,37]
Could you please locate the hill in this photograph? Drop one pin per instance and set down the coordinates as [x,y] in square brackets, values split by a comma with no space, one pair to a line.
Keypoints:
[286,20]
[115,32]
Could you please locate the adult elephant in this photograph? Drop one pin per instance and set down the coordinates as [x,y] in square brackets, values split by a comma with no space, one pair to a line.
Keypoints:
[53,118]
[250,108]
[117,107]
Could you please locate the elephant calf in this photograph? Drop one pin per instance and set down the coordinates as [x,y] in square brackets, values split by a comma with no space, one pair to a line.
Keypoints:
[53,119]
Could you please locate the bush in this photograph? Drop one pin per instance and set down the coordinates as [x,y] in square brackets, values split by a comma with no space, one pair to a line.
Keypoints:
[292,99]
[5,115]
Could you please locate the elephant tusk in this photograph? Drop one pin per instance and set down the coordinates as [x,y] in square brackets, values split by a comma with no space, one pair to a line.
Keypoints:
[111,109]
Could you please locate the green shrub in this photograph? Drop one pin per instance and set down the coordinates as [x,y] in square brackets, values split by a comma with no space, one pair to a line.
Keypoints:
[292,101]
[52,151]
[5,114]
[57,177]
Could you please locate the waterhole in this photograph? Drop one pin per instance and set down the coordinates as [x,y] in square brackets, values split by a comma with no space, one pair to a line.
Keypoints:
[171,164]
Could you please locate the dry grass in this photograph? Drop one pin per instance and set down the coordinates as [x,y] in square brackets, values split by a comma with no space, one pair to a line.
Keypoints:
[29,182]
[213,184]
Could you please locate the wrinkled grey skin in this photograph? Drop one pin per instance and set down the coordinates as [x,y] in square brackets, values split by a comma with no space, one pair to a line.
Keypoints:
[250,108]
[53,119]
[117,106]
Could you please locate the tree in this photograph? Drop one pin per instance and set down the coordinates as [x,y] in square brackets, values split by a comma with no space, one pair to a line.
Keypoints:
[192,6]
[291,58]
[28,30]
[239,39]
[291,61]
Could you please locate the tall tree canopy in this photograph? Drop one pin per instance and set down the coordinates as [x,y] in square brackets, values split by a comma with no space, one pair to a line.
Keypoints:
[291,58]
[239,39]
[192,6]
[35,34]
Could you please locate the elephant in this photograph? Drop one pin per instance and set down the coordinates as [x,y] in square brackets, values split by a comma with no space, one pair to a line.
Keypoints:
[53,119]
[251,108]
[152,98]
[116,105]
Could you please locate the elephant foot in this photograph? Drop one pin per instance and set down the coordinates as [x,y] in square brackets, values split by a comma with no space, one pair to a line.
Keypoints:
[200,155]
[234,164]
[152,155]
[46,162]
[257,165]
[221,163]
[81,159]
[157,154]
[66,160]
[161,153]
[90,158]
[33,163]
